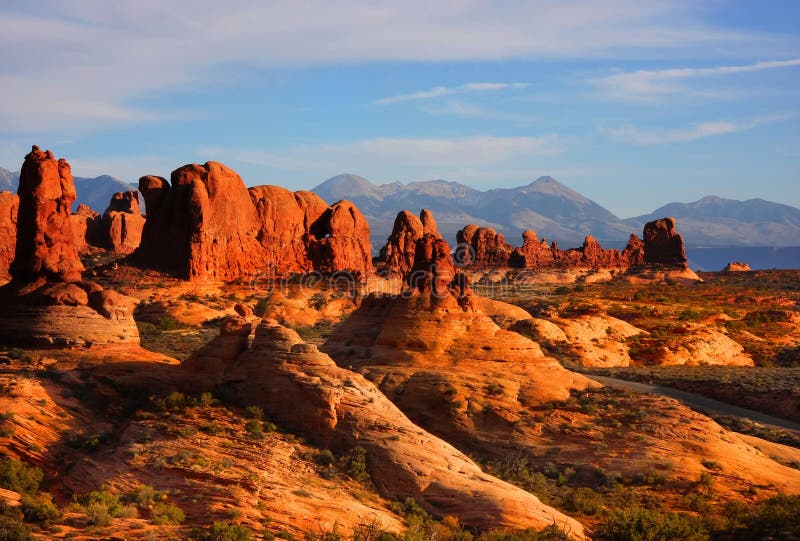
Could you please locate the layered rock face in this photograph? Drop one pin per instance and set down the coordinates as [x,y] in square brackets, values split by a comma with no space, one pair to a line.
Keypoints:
[304,390]
[9,206]
[206,224]
[123,223]
[662,244]
[46,301]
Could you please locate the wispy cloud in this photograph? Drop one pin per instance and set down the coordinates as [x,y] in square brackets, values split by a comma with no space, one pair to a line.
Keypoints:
[700,130]
[52,57]
[439,91]
[648,84]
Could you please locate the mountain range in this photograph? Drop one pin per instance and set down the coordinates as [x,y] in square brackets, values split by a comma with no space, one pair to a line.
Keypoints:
[547,206]
[559,213]
[95,192]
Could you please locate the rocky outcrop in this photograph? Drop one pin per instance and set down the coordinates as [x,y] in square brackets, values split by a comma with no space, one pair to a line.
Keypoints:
[87,229]
[339,241]
[482,247]
[9,205]
[536,254]
[737,266]
[45,242]
[397,256]
[205,223]
[662,244]
[303,390]
[47,302]
[123,223]
[285,218]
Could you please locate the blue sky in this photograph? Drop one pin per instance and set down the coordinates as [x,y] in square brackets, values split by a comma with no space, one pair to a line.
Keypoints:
[634,103]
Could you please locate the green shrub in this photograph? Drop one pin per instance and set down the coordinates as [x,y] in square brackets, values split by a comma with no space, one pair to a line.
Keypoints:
[166,513]
[222,531]
[254,412]
[255,429]
[584,500]
[168,323]
[40,509]
[638,524]
[99,515]
[18,476]
[106,498]
[12,529]
[355,465]
[143,496]
[768,519]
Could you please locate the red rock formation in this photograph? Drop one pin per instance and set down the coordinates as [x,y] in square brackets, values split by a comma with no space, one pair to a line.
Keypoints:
[47,302]
[9,205]
[397,256]
[482,247]
[123,223]
[305,391]
[662,244]
[428,222]
[417,252]
[633,253]
[86,229]
[340,240]
[533,253]
[207,224]
[736,266]
[45,242]
[285,218]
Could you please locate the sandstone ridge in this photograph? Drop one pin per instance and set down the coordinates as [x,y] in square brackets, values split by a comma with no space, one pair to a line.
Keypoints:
[306,391]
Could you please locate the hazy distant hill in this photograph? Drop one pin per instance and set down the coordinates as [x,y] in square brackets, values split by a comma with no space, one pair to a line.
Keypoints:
[95,192]
[545,205]
[8,180]
[716,221]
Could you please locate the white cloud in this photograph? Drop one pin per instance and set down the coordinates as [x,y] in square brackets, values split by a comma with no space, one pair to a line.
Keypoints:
[440,91]
[700,130]
[648,84]
[83,63]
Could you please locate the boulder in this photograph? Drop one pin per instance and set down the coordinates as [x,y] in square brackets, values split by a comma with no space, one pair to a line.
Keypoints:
[339,241]
[663,244]
[482,247]
[87,229]
[737,266]
[123,223]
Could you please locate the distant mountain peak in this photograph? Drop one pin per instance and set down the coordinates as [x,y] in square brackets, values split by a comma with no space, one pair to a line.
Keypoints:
[549,186]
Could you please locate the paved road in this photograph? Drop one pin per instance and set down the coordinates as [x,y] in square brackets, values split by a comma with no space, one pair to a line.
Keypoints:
[699,402]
